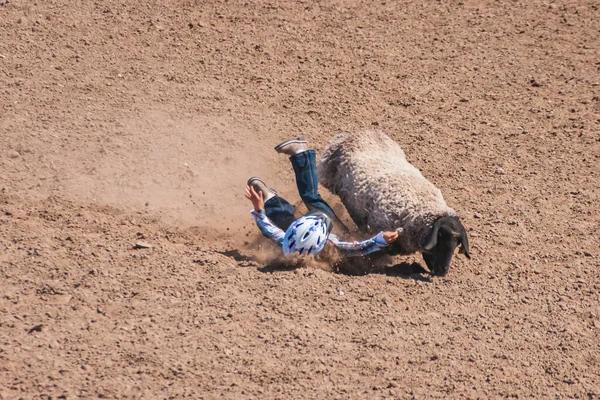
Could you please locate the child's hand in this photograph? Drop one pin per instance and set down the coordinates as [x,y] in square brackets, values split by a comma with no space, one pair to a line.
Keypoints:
[390,236]
[255,198]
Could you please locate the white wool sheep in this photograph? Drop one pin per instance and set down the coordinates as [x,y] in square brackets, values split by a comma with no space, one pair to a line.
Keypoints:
[382,191]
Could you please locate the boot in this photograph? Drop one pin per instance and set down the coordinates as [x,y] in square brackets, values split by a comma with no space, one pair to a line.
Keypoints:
[260,186]
[292,146]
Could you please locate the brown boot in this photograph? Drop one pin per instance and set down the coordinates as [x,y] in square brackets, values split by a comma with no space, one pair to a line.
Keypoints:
[260,186]
[292,146]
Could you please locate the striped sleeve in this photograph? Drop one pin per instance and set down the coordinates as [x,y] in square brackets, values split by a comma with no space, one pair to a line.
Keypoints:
[268,228]
[353,249]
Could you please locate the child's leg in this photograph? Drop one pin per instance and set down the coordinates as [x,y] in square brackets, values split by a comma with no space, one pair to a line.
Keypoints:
[305,167]
[280,212]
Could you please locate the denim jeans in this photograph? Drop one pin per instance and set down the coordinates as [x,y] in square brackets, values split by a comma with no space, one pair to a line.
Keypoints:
[280,211]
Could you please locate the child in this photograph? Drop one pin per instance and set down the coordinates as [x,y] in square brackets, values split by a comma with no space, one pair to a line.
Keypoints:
[308,234]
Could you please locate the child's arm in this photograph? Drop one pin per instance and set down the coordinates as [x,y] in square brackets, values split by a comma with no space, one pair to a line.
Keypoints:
[267,228]
[376,243]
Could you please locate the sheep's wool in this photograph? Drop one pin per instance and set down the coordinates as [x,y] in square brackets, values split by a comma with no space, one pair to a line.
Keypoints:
[380,189]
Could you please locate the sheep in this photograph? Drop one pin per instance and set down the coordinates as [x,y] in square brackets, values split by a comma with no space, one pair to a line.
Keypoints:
[382,191]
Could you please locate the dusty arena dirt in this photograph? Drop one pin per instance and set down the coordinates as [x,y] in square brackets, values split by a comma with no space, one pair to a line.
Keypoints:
[131,268]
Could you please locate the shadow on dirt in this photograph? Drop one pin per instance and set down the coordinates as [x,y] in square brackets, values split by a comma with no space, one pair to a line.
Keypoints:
[406,270]
[357,266]
[278,266]
[368,265]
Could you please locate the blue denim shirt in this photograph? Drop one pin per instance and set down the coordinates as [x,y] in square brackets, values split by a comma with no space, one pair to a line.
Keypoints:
[348,249]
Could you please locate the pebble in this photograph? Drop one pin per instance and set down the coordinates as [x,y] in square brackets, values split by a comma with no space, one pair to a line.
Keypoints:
[37,328]
[500,171]
[477,215]
[13,154]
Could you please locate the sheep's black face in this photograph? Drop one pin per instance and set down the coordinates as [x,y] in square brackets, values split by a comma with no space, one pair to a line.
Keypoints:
[438,259]
[446,235]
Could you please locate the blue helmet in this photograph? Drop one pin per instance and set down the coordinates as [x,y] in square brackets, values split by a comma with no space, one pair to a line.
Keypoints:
[307,235]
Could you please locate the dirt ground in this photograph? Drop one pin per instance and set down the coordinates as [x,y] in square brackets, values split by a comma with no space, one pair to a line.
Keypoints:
[125,122]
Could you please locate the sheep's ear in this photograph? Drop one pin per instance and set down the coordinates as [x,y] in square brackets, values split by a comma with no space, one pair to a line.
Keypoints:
[434,234]
[464,241]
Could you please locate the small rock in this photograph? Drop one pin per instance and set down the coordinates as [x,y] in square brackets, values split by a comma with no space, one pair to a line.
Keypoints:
[587,254]
[37,328]
[500,171]
[13,154]
[341,292]
[142,245]
[477,215]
